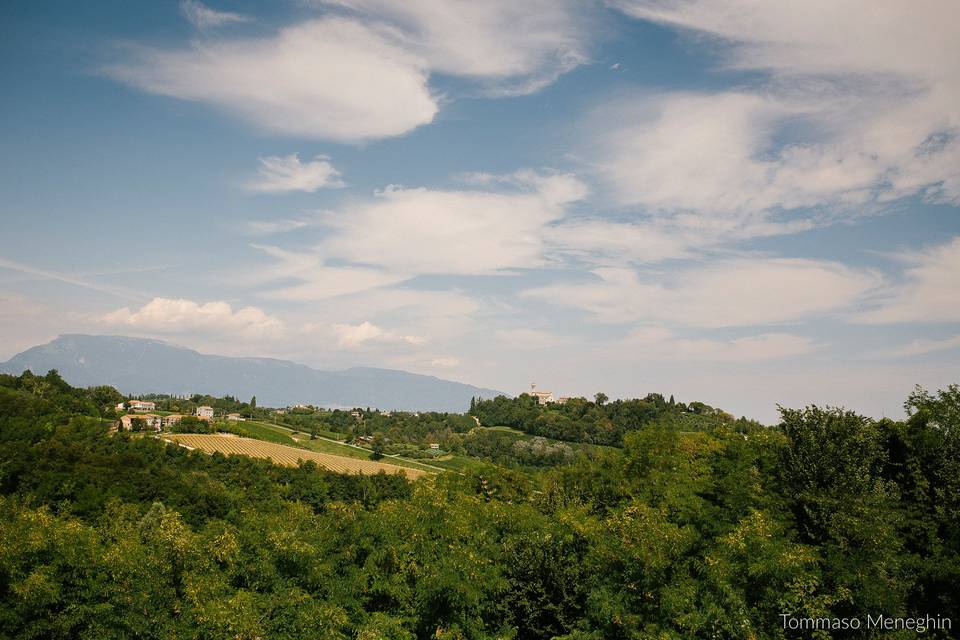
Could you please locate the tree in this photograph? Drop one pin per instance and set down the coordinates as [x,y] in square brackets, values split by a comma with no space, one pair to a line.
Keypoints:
[832,475]
[601,398]
[377,445]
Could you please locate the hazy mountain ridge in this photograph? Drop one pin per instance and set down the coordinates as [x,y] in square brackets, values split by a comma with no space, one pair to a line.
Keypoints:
[137,365]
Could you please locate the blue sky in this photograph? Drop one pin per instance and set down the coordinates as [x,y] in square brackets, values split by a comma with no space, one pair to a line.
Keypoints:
[725,200]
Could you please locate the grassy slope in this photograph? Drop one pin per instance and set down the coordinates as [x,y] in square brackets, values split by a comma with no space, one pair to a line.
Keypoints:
[260,431]
[451,462]
[322,445]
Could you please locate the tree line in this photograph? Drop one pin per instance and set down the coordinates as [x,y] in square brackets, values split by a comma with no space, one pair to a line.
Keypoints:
[598,421]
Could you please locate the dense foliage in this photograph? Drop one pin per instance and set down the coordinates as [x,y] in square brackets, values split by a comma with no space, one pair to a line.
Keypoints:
[681,533]
[598,421]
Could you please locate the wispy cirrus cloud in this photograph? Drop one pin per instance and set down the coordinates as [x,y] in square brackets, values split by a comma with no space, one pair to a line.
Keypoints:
[661,344]
[526,338]
[511,47]
[461,232]
[930,291]
[77,280]
[362,73]
[270,227]
[312,277]
[837,122]
[281,174]
[920,347]
[329,78]
[203,17]
[725,293]
[450,231]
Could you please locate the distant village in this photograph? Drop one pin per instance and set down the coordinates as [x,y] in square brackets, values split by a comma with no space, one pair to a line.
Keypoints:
[141,410]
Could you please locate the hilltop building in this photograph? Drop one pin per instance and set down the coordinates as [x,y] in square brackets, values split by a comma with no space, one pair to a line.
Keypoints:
[205,413]
[235,417]
[141,406]
[545,397]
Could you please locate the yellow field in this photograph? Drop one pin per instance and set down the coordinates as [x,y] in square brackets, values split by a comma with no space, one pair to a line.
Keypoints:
[282,454]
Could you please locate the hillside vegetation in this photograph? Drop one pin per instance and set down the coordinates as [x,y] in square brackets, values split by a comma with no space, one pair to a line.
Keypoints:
[674,532]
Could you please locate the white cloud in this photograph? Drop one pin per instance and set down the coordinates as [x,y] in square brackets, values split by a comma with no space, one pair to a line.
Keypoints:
[364,74]
[278,174]
[659,343]
[844,120]
[515,46]
[729,293]
[403,232]
[314,279]
[446,362]
[524,338]
[426,231]
[173,316]
[350,336]
[450,306]
[324,282]
[820,36]
[710,162]
[269,227]
[605,242]
[921,347]
[331,78]
[203,17]
[74,279]
[930,292]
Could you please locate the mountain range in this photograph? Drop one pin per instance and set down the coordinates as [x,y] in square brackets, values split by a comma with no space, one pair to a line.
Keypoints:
[138,366]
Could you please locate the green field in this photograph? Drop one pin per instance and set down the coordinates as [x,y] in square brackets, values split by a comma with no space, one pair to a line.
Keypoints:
[259,431]
[286,435]
[458,463]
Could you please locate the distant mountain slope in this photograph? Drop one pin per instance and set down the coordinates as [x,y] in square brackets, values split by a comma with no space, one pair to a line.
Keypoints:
[135,366]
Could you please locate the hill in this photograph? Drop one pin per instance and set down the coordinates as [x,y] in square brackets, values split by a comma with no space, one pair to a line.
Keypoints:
[139,366]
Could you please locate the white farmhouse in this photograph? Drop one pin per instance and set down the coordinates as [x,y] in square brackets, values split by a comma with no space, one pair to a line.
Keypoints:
[141,406]
[205,413]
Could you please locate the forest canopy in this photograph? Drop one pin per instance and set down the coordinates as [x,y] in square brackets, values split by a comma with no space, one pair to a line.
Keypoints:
[705,529]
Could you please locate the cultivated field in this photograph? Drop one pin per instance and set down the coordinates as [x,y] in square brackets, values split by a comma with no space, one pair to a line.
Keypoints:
[282,454]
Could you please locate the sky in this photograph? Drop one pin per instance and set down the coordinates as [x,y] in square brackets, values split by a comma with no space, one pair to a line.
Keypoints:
[745,203]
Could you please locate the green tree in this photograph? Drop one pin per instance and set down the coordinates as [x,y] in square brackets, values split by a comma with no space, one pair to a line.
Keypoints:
[832,474]
[377,445]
